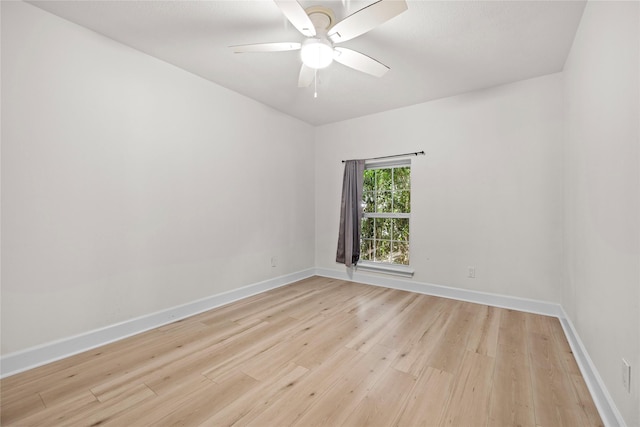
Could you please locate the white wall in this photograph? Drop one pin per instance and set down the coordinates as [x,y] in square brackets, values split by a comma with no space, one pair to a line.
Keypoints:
[130,186]
[487,194]
[602,193]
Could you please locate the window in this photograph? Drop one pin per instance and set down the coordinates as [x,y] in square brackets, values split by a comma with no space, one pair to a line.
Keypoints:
[386,197]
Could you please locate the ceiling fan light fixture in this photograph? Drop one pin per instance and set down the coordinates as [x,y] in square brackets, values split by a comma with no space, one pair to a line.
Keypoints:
[316,53]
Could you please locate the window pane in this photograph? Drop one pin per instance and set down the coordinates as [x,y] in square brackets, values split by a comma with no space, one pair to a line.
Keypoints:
[383,228]
[369,201]
[402,178]
[400,253]
[402,202]
[386,191]
[366,231]
[369,180]
[366,250]
[383,202]
[383,179]
[383,251]
[401,229]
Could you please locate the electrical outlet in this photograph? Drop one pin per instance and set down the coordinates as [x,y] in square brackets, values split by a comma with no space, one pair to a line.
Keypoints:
[472,272]
[274,261]
[626,375]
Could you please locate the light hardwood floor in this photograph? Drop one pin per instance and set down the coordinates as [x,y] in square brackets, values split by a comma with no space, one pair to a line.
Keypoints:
[319,352]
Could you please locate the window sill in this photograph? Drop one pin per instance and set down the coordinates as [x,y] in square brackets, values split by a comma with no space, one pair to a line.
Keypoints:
[380,267]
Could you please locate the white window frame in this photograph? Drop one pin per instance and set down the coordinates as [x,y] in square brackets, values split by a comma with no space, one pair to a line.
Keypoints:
[388,267]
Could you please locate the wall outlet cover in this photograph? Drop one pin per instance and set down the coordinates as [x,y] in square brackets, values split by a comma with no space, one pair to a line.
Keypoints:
[626,375]
[472,272]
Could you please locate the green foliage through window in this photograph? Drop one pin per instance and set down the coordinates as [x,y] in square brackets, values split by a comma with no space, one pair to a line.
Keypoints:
[387,206]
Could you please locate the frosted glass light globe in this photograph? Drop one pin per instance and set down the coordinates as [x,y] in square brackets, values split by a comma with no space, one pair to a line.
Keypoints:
[316,53]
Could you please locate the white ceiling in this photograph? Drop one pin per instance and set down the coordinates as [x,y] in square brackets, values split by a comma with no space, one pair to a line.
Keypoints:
[435,49]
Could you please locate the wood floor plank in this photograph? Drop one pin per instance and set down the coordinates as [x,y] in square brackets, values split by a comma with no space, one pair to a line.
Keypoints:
[162,409]
[584,401]
[286,306]
[255,304]
[262,365]
[278,331]
[560,341]
[167,366]
[69,366]
[336,404]
[408,325]
[369,302]
[115,362]
[209,400]
[293,405]
[19,404]
[428,399]
[555,402]
[318,352]
[94,415]
[417,351]
[483,338]
[340,296]
[335,332]
[215,360]
[452,346]
[60,413]
[382,404]
[511,395]
[395,302]
[255,401]
[469,403]
[76,372]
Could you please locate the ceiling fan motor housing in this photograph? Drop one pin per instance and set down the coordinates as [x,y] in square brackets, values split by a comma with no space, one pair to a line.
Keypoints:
[322,18]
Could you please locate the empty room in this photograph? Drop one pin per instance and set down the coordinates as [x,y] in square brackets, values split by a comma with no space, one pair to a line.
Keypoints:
[320,213]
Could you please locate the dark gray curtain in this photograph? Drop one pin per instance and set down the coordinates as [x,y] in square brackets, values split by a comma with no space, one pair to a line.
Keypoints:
[350,213]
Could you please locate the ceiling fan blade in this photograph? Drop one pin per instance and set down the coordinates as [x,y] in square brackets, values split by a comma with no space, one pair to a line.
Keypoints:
[297,16]
[359,61]
[266,47]
[366,19]
[306,76]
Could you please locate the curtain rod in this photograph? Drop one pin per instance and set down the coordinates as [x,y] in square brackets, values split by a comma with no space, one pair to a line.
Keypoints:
[417,153]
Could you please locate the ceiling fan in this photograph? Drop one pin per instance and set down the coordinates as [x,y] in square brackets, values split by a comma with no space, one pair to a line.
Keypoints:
[317,24]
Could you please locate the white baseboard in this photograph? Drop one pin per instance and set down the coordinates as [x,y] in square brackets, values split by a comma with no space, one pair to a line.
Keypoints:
[607,409]
[601,397]
[495,300]
[14,363]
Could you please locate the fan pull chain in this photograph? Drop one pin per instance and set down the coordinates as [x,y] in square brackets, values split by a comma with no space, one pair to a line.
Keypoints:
[315,83]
